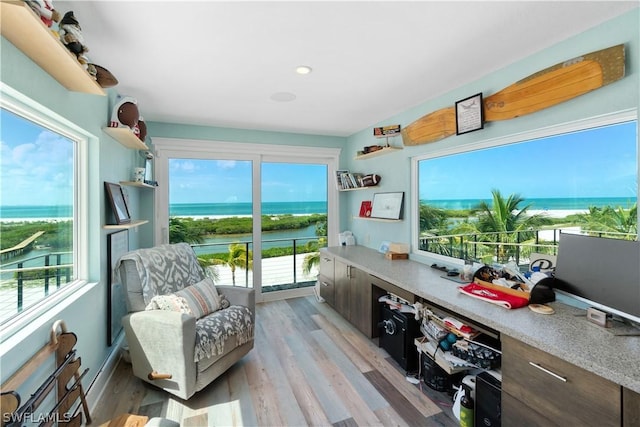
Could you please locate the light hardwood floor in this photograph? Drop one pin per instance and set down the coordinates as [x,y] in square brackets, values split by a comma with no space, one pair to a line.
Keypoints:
[308,367]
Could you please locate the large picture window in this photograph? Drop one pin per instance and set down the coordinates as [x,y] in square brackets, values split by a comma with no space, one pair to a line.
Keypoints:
[39,220]
[505,199]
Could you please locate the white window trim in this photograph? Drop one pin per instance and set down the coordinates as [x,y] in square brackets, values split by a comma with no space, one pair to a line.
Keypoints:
[574,126]
[166,148]
[14,101]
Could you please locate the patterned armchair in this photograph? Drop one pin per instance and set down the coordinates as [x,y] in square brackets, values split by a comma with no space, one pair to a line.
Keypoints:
[182,331]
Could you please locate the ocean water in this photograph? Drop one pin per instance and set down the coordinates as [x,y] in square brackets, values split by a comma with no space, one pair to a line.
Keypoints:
[231,209]
[541,203]
[308,208]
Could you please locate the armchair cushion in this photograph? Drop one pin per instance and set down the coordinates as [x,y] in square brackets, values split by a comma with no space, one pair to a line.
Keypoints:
[170,303]
[214,330]
[203,298]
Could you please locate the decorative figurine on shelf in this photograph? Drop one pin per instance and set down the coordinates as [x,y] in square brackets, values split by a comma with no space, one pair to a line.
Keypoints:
[45,10]
[125,113]
[71,37]
[140,129]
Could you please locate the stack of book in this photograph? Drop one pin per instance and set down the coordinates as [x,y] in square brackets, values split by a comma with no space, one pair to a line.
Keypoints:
[346,180]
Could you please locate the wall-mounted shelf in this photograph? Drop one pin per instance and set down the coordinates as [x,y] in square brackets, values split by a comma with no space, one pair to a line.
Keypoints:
[368,218]
[132,224]
[385,150]
[25,30]
[136,184]
[126,137]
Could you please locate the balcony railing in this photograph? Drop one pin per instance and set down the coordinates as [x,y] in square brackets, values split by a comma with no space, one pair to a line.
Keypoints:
[25,282]
[503,247]
[278,273]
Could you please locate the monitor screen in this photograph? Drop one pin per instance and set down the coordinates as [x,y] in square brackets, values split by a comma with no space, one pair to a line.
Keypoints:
[601,271]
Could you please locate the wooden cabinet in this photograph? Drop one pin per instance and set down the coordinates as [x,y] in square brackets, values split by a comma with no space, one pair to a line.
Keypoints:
[541,389]
[630,408]
[353,299]
[326,279]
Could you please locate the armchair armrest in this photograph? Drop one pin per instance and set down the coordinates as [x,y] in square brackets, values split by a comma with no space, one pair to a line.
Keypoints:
[162,341]
[240,296]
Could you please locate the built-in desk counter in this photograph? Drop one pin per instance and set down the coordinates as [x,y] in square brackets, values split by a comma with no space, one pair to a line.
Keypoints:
[565,334]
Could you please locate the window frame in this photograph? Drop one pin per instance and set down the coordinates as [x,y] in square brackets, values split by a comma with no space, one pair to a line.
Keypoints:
[573,126]
[23,106]
[166,148]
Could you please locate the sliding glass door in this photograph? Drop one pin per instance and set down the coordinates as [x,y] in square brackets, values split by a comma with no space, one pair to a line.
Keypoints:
[211,208]
[256,215]
[294,223]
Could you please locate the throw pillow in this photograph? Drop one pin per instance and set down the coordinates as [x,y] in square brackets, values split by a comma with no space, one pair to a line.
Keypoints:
[169,302]
[202,297]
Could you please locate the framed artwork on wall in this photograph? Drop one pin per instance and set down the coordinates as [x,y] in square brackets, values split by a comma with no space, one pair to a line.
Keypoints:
[118,204]
[387,205]
[469,114]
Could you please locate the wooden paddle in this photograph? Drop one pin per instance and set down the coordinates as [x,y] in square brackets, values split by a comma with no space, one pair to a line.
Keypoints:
[544,89]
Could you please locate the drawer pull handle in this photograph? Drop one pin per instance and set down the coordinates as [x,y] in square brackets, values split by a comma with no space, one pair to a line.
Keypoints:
[324,284]
[553,374]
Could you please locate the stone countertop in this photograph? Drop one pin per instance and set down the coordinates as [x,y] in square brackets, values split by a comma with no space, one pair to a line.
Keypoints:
[566,334]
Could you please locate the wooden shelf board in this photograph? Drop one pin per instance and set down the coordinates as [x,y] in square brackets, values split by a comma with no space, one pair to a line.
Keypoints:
[136,184]
[27,32]
[368,218]
[126,137]
[385,150]
[133,224]
[351,189]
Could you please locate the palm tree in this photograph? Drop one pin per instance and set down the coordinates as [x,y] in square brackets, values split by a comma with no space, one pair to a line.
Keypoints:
[237,258]
[611,220]
[506,222]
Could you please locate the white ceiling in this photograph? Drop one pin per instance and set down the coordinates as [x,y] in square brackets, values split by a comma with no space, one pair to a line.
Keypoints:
[220,63]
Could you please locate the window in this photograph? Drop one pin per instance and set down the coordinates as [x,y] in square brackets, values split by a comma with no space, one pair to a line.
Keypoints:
[504,199]
[256,214]
[40,228]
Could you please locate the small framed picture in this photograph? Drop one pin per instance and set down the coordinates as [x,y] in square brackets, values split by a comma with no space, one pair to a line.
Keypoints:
[117,202]
[469,114]
[387,205]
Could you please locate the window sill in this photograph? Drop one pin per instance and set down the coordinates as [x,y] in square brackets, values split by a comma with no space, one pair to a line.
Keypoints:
[43,313]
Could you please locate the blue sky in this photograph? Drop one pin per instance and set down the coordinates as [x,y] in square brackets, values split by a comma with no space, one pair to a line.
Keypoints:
[36,165]
[229,181]
[596,163]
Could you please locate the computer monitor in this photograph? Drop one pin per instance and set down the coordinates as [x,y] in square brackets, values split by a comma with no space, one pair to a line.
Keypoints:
[602,272]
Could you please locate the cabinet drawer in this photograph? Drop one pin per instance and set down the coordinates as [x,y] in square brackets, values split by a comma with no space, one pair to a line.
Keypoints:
[560,391]
[327,267]
[327,289]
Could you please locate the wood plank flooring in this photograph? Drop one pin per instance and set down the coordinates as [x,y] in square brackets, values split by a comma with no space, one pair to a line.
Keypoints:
[309,367]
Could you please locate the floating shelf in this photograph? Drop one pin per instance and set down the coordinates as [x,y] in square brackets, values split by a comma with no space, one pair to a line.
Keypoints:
[27,32]
[132,224]
[126,137]
[368,218]
[385,150]
[137,184]
[356,188]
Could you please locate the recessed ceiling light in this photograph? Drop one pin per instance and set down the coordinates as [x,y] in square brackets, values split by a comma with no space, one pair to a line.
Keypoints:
[303,69]
[283,97]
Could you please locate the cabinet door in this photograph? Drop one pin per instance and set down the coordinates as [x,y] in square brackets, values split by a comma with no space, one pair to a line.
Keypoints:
[327,290]
[342,284]
[360,301]
[630,408]
[327,266]
[560,391]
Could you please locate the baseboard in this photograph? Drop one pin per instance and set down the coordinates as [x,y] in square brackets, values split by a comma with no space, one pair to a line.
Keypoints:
[97,387]
[289,293]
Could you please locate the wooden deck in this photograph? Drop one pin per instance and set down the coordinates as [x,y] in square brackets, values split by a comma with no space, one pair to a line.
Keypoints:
[308,367]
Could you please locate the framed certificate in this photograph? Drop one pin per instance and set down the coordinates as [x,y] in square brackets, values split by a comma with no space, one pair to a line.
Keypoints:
[387,205]
[469,114]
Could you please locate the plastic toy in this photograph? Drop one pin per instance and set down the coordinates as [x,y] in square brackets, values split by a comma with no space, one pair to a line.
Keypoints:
[45,10]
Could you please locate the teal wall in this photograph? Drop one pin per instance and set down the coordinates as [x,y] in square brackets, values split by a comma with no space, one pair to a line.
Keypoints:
[109,161]
[395,167]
